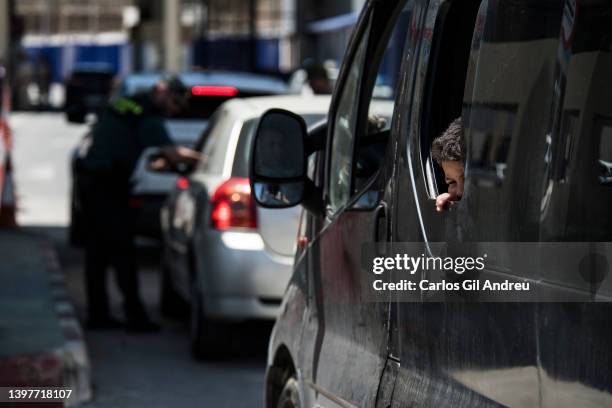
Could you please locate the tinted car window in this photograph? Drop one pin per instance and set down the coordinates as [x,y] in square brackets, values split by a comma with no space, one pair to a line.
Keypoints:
[577,192]
[506,111]
[202,107]
[243,150]
[199,107]
[344,124]
[372,142]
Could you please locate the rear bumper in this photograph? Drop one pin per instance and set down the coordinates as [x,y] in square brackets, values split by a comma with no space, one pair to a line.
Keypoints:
[239,278]
[241,308]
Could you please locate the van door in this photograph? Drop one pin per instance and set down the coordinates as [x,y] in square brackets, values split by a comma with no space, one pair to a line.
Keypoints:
[346,332]
[492,64]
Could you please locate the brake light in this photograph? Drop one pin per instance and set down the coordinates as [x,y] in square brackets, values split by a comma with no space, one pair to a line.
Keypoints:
[182,183]
[211,90]
[233,205]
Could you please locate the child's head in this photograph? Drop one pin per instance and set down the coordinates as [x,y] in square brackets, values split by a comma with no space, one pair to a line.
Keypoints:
[448,150]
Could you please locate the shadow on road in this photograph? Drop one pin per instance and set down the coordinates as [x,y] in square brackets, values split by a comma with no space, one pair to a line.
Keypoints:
[250,339]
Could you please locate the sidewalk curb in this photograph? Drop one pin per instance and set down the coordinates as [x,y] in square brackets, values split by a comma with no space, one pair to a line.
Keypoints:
[43,339]
[76,368]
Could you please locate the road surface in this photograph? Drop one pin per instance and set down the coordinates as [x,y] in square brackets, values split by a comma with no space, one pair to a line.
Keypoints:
[128,370]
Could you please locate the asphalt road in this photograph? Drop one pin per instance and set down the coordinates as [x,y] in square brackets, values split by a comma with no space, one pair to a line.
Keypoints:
[128,370]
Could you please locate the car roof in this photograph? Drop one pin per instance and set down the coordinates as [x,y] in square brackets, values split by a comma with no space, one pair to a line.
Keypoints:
[247,108]
[245,82]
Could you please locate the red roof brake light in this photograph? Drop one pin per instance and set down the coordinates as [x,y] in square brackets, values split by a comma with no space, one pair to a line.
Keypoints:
[182,183]
[213,90]
[233,206]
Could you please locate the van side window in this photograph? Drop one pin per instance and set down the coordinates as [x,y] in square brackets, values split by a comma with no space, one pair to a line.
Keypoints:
[577,194]
[361,127]
[372,143]
[507,110]
[448,66]
[344,132]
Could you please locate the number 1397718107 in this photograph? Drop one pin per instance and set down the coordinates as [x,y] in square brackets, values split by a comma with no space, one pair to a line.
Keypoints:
[34,394]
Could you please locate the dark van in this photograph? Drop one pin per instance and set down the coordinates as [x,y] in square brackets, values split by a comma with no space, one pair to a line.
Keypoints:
[532,81]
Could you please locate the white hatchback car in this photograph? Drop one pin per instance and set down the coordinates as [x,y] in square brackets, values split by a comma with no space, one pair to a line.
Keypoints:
[230,260]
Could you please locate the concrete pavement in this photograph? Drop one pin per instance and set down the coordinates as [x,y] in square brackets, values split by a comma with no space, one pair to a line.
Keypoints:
[41,342]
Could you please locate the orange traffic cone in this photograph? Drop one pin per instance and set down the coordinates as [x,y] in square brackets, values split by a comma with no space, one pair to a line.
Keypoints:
[8,206]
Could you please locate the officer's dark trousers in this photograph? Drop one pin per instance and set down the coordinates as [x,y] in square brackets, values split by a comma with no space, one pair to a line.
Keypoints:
[108,242]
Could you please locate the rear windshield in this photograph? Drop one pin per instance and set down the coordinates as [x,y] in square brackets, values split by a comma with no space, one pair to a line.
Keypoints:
[243,150]
[200,107]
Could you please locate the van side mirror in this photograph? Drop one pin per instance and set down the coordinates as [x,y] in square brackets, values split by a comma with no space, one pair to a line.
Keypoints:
[278,160]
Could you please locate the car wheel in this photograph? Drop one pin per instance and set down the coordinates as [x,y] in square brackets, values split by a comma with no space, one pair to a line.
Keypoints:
[290,396]
[171,304]
[209,338]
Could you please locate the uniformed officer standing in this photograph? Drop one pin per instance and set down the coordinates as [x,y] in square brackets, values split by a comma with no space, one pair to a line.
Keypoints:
[125,129]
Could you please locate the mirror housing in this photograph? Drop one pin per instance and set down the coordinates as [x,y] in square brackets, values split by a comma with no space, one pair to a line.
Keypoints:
[278,160]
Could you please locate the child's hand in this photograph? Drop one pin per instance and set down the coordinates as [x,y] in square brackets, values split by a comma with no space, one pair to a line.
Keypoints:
[443,201]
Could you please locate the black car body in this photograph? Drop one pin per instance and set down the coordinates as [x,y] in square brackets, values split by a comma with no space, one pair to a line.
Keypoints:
[88,90]
[532,82]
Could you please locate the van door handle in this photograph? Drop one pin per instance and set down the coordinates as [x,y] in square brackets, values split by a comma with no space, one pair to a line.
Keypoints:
[381,228]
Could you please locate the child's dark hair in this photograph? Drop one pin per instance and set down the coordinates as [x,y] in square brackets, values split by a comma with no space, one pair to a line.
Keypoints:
[449,146]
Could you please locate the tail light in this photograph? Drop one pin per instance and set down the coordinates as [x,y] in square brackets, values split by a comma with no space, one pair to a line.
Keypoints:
[182,183]
[211,90]
[233,206]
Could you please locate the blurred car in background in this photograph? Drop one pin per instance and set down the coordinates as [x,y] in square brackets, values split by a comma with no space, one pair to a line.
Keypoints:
[87,90]
[225,258]
[209,90]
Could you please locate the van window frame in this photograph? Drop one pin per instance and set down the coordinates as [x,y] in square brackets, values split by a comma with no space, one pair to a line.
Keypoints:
[430,60]
[365,31]
[362,33]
